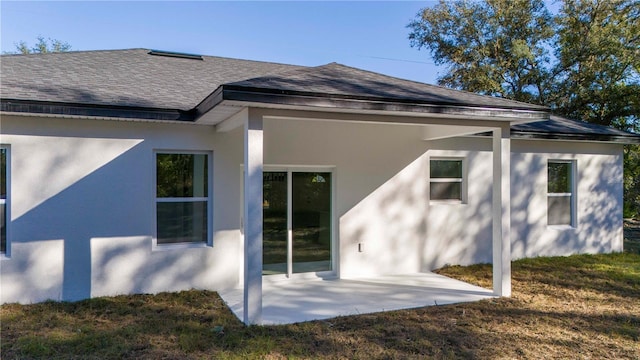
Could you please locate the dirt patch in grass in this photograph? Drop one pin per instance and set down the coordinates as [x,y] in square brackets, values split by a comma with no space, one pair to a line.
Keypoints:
[567,307]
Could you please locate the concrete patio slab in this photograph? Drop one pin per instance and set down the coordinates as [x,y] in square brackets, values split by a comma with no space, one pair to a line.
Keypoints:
[289,301]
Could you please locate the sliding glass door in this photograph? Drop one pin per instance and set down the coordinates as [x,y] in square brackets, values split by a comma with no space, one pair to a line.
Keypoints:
[275,223]
[297,222]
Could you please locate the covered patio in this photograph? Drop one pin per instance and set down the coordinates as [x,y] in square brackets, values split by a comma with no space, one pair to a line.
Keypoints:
[275,113]
[287,302]
[261,301]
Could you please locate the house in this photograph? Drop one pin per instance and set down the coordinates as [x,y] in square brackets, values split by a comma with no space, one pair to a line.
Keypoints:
[138,171]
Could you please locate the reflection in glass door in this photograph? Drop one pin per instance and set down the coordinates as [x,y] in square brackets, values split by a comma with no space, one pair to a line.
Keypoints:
[274,232]
[297,222]
[311,201]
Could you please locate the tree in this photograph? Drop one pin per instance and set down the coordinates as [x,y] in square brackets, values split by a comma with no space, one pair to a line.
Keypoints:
[632,181]
[43,46]
[496,47]
[598,68]
[584,62]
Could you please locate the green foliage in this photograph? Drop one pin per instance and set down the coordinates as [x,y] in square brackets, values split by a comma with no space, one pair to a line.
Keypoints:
[501,48]
[583,62]
[43,46]
[598,52]
[494,47]
[632,181]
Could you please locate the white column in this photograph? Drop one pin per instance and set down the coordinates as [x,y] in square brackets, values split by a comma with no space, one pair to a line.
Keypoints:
[253,161]
[501,212]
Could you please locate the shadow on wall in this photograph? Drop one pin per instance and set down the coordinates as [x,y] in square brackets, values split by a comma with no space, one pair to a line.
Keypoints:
[528,202]
[389,221]
[600,205]
[461,234]
[105,203]
[598,214]
[94,237]
[402,232]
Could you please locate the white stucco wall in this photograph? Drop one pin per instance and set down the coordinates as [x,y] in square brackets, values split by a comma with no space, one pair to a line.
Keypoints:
[82,202]
[599,202]
[598,227]
[380,187]
[382,196]
[463,230]
[82,210]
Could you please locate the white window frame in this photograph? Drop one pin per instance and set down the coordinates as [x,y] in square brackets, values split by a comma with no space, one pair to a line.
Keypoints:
[462,180]
[7,203]
[572,194]
[209,199]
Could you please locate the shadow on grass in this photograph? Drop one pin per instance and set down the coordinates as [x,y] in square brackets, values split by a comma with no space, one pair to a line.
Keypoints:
[614,274]
[189,324]
[481,330]
[587,307]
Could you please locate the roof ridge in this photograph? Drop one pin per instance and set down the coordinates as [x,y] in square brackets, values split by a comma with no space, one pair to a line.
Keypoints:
[147,50]
[294,69]
[255,61]
[75,52]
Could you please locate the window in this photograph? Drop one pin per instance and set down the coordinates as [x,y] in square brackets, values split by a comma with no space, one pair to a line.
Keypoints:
[4,213]
[446,180]
[560,193]
[182,198]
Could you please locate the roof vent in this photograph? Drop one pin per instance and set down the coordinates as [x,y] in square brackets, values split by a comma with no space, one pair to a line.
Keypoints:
[175,54]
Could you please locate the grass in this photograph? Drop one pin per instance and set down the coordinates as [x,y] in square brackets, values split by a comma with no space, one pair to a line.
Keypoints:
[584,306]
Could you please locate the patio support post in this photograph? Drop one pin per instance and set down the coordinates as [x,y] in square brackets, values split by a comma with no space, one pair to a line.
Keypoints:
[253,162]
[501,212]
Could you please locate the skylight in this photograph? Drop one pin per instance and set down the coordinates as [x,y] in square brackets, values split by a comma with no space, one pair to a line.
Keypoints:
[175,54]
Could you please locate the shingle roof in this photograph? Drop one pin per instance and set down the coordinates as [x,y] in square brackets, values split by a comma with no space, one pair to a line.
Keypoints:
[134,79]
[561,128]
[339,80]
[123,77]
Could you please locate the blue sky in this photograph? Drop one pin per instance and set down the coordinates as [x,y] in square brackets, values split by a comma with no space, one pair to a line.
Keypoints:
[367,35]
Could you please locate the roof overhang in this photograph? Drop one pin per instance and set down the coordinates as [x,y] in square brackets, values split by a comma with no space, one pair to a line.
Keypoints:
[46,108]
[532,135]
[227,100]
[222,106]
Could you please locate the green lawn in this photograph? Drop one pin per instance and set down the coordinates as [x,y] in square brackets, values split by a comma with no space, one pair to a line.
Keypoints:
[585,306]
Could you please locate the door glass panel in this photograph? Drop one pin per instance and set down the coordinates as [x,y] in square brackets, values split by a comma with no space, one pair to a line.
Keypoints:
[274,207]
[311,200]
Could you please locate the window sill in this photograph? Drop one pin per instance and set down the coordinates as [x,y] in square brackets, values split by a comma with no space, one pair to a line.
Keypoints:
[180,246]
[560,227]
[5,257]
[446,202]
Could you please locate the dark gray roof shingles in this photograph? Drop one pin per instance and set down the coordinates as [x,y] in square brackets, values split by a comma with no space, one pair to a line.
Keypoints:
[562,127]
[339,80]
[123,77]
[133,78]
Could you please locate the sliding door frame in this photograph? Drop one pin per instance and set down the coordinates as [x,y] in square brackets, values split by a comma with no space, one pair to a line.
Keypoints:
[334,254]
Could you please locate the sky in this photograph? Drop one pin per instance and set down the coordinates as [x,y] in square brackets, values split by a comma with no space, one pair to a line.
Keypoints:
[366,35]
